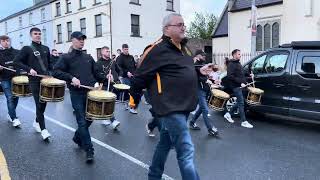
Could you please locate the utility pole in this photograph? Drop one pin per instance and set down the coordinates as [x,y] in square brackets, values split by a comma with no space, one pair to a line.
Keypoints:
[253,28]
[110,11]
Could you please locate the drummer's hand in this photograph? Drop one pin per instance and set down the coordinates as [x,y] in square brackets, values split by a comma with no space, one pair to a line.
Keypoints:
[209,82]
[76,82]
[129,74]
[243,85]
[33,72]
[217,82]
[1,67]
[109,76]
[252,75]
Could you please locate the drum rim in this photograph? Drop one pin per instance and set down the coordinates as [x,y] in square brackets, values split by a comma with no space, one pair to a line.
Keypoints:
[61,82]
[14,80]
[102,98]
[116,86]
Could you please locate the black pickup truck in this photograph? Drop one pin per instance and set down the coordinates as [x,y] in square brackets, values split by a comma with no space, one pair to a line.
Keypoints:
[290,78]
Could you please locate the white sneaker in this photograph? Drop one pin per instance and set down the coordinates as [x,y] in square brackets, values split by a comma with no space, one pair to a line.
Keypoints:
[133,111]
[150,133]
[228,117]
[106,122]
[16,122]
[9,118]
[209,115]
[45,134]
[246,124]
[36,127]
[115,124]
[193,112]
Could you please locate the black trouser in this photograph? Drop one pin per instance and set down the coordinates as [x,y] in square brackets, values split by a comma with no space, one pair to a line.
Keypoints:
[82,134]
[40,106]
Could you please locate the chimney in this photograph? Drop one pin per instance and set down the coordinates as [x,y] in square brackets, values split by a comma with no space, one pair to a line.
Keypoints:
[230,4]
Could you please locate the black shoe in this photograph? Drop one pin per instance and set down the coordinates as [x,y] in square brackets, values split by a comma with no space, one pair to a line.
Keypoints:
[194,126]
[77,141]
[213,132]
[90,154]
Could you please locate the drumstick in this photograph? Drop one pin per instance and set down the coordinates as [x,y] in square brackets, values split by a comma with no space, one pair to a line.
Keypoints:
[247,85]
[109,79]
[38,75]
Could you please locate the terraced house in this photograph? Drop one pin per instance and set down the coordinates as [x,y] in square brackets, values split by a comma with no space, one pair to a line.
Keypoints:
[105,22]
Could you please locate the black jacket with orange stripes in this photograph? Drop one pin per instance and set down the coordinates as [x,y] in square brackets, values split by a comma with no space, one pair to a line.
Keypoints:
[169,76]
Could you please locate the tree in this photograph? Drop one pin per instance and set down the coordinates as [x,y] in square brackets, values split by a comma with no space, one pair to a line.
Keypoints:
[202,26]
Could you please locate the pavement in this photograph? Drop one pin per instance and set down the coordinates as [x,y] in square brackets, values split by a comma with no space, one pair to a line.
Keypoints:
[273,150]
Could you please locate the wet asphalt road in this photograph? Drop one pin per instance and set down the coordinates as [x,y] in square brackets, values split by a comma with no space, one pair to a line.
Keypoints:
[274,149]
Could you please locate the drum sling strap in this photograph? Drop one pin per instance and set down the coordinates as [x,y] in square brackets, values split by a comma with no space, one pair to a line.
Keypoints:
[38,56]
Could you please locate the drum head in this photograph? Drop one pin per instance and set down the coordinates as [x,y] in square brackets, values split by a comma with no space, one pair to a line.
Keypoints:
[255,90]
[101,95]
[52,81]
[20,80]
[220,93]
[121,86]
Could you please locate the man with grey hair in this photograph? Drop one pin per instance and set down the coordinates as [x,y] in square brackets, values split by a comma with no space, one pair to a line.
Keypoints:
[166,68]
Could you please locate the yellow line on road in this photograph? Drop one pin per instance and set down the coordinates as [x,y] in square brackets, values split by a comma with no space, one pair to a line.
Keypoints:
[4,172]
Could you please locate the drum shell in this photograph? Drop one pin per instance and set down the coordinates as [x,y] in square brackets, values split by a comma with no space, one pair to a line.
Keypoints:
[21,89]
[100,109]
[217,103]
[254,98]
[52,93]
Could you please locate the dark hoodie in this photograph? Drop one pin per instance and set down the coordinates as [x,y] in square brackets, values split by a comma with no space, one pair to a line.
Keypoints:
[235,74]
[102,67]
[6,60]
[126,64]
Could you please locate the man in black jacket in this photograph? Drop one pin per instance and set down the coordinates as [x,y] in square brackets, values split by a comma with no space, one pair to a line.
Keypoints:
[128,67]
[103,66]
[7,55]
[54,57]
[78,68]
[203,71]
[236,81]
[167,72]
[35,59]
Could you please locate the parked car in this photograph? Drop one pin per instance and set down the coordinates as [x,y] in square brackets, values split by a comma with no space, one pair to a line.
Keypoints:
[290,78]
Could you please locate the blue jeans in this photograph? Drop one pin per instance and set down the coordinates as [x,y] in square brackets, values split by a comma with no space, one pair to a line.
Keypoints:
[203,109]
[78,100]
[174,133]
[240,104]
[12,101]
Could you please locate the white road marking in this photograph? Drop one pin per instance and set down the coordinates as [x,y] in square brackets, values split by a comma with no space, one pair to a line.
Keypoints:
[122,154]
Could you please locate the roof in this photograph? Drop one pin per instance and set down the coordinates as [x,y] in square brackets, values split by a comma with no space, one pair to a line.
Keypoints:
[241,5]
[302,45]
[36,6]
[222,26]
[238,5]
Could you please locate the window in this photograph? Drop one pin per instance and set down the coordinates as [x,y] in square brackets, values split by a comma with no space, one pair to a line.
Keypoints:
[30,18]
[44,35]
[81,4]
[275,34]
[259,38]
[43,14]
[257,65]
[276,62]
[308,65]
[98,25]
[134,2]
[267,34]
[20,22]
[68,6]
[21,40]
[170,5]
[59,33]
[135,25]
[58,9]
[69,29]
[98,53]
[83,25]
